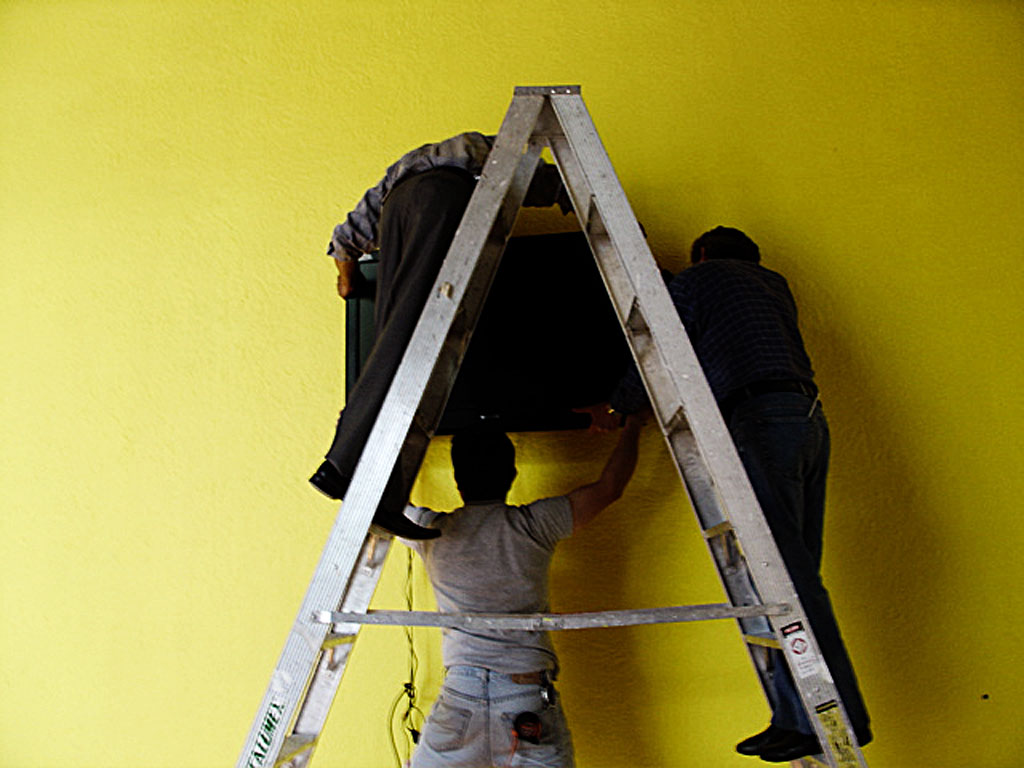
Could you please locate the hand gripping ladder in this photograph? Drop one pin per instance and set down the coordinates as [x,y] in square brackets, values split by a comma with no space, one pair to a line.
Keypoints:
[294,708]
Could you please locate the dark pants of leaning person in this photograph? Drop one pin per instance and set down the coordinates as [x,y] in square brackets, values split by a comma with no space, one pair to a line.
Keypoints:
[417,224]
[783,441]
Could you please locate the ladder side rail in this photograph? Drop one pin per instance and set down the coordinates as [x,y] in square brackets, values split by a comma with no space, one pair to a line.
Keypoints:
[652,365]
[432,333]
[460,291]
[312,717]
[699,410]
[467,306]
[736,582]
[704,501]
[504,172]
[297,664]
[296,741]
[735,578]
[671,366]
[722,543]
[334,656]
[463,283]
[700,490]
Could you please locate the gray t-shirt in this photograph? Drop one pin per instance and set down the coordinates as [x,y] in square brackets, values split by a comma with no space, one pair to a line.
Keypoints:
[494,558]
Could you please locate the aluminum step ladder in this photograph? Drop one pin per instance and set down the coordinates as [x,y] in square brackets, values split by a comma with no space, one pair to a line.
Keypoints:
[294,709]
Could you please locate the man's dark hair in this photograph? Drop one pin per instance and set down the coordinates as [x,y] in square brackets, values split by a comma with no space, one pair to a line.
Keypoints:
[484,461]
[725,243]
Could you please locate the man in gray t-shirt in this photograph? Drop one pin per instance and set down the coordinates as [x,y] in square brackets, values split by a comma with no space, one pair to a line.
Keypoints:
[497,705]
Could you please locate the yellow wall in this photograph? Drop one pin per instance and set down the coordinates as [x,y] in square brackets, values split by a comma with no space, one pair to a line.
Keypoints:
[169,175]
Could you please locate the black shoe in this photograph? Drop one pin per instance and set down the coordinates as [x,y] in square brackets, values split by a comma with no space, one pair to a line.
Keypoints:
[331,484]
[753,745]
[864,735]
[791,747]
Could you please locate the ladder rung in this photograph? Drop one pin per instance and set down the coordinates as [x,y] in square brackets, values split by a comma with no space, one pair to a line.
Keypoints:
[595,224]
[335,639]
[718,530]
[294,746]
[635,321]
[677,421]
[545,622]
[764,640]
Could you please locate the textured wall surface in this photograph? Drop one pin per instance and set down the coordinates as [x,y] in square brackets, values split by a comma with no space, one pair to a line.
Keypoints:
[169,176]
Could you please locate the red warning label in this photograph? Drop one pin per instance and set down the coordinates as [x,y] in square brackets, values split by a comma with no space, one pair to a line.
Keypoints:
[797,645]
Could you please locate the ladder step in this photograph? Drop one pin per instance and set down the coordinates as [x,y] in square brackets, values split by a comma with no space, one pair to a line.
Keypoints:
[765,640]
[553,621]
[677,422]
[336,639]
[718,530]
[594,225]
[294,746]
[635,321]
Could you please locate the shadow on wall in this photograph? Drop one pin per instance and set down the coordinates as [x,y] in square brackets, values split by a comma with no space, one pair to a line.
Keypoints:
[884,535]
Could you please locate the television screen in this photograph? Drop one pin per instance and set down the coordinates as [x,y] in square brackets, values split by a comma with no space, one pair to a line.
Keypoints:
[547,340]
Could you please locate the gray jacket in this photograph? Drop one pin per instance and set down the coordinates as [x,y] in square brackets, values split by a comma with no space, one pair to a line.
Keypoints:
[360,231]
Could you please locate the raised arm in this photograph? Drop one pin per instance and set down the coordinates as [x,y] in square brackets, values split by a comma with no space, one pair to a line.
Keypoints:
[588,500]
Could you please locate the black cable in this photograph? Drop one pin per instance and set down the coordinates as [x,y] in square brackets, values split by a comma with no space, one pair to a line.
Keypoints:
[391,729]
[409,688]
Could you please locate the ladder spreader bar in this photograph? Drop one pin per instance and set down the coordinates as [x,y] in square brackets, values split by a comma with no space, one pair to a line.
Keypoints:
[545,622]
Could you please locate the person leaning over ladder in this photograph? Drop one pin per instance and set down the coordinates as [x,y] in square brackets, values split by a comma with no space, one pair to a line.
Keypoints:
[411,215]
[742,321]
[497,705]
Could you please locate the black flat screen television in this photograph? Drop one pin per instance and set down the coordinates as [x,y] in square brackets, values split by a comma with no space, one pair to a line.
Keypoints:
[547,341]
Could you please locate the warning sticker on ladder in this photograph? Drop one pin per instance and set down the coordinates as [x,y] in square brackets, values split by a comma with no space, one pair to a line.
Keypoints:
[794,638]
[838,737]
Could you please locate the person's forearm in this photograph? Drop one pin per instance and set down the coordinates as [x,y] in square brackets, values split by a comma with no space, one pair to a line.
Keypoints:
[630,395]
[346,277]
[621,464]
[588,500]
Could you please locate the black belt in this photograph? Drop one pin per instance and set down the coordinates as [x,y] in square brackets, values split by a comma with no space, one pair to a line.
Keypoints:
[759,388]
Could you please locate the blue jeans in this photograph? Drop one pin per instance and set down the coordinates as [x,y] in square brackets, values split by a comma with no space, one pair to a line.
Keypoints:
[470,724]
[783,441]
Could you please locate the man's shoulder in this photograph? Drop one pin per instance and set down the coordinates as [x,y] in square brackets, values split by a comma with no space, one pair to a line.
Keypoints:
[545,503]
[548,519]
[707,275]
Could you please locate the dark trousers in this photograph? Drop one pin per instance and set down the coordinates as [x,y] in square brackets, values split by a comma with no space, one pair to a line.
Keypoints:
[785,447]
[417,224]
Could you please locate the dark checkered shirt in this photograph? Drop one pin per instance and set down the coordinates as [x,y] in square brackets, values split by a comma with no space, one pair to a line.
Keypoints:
[742,322]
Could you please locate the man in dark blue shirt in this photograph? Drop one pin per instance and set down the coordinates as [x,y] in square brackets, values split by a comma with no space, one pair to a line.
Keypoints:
[742,321]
